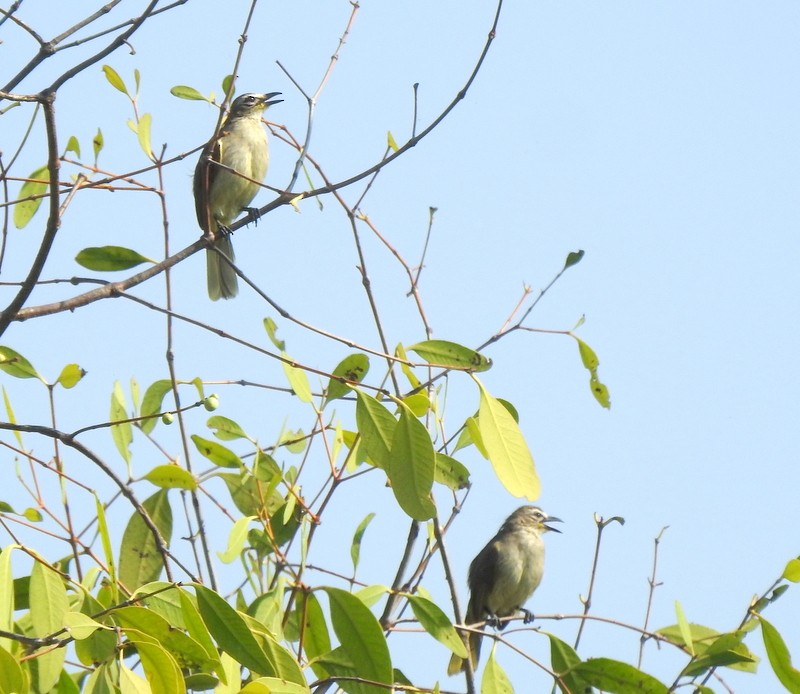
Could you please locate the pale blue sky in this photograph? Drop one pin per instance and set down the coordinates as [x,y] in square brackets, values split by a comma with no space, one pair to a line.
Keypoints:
[661,138]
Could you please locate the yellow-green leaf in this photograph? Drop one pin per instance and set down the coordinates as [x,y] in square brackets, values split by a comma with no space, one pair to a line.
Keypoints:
[14,364]
[508,452]
[450,472]
[34,188]
[183,92]
[236,540]
[97,144]
[451,355]
[114,79]
[152,403]
[390,141]
[49,604]
[779,657]
[110,258]
[272,332]
[226,429]
[70,375]
[143,133]
[81,626]
[495,680]
[792,571]
[171,477]
[436,623]
[122,433]
[376,427]
[217,453]
[298,380]
[410,468]
[352,368]
[140,561]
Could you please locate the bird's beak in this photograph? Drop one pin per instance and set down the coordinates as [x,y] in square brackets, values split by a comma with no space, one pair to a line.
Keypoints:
[269,101]
[552,519]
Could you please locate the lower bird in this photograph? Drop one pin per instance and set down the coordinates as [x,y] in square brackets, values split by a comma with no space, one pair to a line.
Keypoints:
[227,177]
[504,574]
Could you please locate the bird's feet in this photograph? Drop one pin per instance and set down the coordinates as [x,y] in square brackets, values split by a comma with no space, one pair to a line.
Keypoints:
[255,214]
[527,615]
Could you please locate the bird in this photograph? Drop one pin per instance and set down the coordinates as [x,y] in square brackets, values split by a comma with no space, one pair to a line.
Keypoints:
[504,574]
[226,179]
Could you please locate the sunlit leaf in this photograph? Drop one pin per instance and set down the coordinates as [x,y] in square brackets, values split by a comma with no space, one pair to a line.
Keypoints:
[48,605]
[272,332]
[391,142]
[508,452]
[152,403]
[792,571]
[236,540]
[410,468]
[226,429]
[352,368]
[143,133]
[122,432]
[376,427]
[618,678]
[183,92]
[450,472]
[114,79]
[34,188]
[97,144]
[14,364]
[451,355]
[70,375]
[495,680]
[217,453]
[171,477]
[298,380]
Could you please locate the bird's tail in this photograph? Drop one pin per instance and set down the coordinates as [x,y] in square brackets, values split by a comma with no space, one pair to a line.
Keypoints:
[220,275]
[473,646]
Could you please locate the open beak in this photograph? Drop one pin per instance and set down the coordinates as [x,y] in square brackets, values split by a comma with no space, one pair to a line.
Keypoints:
[270,101]
[552,519]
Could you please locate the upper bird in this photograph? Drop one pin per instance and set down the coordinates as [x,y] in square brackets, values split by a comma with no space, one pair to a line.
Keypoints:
[226,179]
[504,574]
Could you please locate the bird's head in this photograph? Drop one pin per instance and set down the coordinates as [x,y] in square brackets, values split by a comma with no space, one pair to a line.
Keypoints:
[533,517]
[253,104]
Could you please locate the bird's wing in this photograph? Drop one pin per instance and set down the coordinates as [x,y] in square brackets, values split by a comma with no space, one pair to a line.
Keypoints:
[481,581]
[204,175]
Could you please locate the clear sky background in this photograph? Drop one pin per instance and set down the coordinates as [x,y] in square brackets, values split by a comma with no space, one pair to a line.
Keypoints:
[661,138]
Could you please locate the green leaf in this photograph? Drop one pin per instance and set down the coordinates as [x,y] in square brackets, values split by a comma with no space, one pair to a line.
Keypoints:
[34,188]
[436,623]
[316,639]
[14,364]
[298,380]
[792,571]
[273,685]
[97,144]
[110,258]
[122,433]
[362,641]
[573,258]
[272,332]
[140,561]
[105,540]
[227,83]
[226,429]
[143,133]
[236,540]
[11,677]
[231,632]
[70,375]
[217,453]
[355,546]
[509,454]
[152,403]
[726,650]
[80,626]
[376,427]
[495,680]
[48,604]
[171,477]
[73,146]
[617,678]
[591,362]
[418,403]
[12,419]
[114,79]
[683,625]
[190,93]
[6,595]
[162,671]
[400,353]
[451,355]
[391,142]
[410,468]
[352,368]
[188,652]
[563,657]
[779,657]
[451,473]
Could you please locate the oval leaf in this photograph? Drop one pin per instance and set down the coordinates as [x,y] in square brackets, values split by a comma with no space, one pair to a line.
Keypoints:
[410,469]
[451,355]
[506,447]
[171,477]
[217,453]
[352,368]
[183,92]
[110,258]
[34,188]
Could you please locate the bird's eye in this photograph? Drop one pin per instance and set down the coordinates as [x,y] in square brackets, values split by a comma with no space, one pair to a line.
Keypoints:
[250,99]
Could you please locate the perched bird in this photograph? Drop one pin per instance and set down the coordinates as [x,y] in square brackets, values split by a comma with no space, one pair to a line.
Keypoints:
[226,180]
[504,575]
